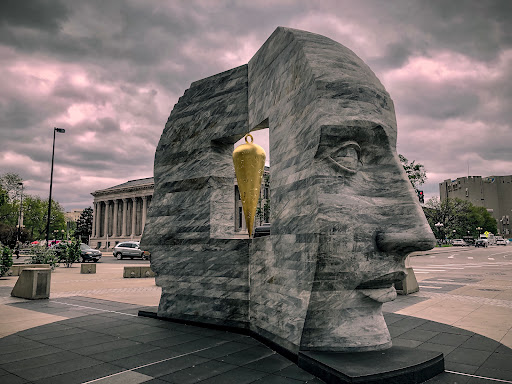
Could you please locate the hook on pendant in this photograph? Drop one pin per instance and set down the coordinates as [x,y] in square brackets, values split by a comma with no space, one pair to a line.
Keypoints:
[249,135]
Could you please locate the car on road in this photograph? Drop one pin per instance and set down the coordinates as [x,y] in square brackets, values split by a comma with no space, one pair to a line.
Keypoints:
[501,242]
[130,249]
[459,243]
[89,254]
[262,230]
[481,243]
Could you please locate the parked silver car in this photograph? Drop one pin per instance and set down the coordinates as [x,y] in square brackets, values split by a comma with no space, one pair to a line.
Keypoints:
[130,249]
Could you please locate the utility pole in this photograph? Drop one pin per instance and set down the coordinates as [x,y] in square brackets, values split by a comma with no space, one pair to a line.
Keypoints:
[60,130]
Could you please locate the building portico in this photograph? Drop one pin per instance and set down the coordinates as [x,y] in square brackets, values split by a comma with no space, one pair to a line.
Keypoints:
[120,213]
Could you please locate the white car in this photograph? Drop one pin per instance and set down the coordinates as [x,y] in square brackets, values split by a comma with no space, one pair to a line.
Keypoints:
[459,243]
[501,242]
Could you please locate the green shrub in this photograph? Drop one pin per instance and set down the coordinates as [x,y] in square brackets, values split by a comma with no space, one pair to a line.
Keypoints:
[72,253]
[44,255]
[6,260]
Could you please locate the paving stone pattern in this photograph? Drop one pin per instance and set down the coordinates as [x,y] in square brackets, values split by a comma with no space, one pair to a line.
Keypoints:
[106,339]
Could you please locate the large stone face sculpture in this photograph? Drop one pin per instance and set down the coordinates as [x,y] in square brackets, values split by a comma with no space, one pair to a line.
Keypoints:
[344,215]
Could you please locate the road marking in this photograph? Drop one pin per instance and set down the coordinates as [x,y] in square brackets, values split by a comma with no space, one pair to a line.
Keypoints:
[490,258]
[429,286]
[445,280]
[97,309]
[451,257]
[470,257]
[432,257]
[429,270]
[478,377]
[146,365]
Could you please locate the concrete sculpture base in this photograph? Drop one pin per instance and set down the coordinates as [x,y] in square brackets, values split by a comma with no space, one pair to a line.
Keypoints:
[395,365]
[33,283]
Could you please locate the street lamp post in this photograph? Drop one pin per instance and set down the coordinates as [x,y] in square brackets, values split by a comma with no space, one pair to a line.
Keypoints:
[439,226]
[20,221]
[60,130]
[478,229]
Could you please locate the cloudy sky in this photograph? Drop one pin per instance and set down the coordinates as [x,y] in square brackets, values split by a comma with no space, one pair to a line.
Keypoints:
[109,72]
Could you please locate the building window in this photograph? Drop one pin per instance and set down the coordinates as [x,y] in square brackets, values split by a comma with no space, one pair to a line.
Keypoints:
[239,217]
[265,193]
[467,193]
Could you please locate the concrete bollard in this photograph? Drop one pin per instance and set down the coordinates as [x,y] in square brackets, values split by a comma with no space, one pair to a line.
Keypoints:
[131,272]
[146,272]
[33,284]
[87,268]
[138,272]
[16,269]
[407,285]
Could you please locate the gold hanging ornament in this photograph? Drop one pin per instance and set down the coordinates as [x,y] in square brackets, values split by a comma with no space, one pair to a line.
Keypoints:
[249,162]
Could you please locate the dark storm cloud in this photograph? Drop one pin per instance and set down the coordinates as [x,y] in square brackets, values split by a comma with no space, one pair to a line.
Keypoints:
[44,15]
[109,72]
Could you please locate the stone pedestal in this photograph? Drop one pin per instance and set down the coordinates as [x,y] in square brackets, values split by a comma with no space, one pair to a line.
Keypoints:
[33,283]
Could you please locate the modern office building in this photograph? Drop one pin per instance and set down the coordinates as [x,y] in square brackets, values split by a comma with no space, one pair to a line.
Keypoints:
[491,192]
[119,212]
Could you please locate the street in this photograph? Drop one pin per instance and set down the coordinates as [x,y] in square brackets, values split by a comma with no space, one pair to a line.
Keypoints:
[460,266]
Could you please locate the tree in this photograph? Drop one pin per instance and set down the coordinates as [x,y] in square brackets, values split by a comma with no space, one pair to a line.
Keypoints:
[8,209]
[11,183]
[35,213]
[415,172]
[84,225]
[457,215]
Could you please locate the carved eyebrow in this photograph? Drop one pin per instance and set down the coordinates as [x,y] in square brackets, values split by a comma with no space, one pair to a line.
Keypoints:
[358,131]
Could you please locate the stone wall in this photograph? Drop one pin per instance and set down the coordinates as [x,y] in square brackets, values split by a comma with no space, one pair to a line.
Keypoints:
[202,269]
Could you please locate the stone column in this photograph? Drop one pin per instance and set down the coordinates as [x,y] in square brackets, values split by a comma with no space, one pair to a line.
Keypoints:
[105,232]
[144,209]
[114,224]
[94,216]
[125,208]
[134,205]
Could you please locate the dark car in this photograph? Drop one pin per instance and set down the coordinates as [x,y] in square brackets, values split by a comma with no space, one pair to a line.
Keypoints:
[89,254]
[130,249]
[481,243]
[262,230]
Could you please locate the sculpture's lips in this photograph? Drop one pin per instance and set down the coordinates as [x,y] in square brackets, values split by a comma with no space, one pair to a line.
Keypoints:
[384,281]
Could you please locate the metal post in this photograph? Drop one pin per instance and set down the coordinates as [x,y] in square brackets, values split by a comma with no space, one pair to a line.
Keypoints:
[60,130]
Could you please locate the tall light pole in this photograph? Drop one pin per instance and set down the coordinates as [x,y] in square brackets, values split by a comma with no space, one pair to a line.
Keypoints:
[439,226]
[60,130]
[20,221]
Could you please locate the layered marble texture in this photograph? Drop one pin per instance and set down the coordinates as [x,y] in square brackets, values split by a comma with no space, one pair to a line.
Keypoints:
[344,215]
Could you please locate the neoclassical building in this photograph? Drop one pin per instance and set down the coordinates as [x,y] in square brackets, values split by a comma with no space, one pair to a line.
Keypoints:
[120,213]
[123,208]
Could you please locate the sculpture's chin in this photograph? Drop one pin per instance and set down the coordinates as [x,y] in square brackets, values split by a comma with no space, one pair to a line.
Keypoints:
[381,295]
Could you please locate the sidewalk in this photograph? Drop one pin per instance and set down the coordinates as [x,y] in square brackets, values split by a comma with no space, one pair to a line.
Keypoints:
[89,331]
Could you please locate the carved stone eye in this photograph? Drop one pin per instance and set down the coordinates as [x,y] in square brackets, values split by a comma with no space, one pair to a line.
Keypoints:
[347,158]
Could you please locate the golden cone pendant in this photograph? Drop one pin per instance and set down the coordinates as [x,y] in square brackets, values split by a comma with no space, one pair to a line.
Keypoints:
[249,162]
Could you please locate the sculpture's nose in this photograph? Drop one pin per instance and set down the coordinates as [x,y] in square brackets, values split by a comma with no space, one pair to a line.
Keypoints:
[418,238]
